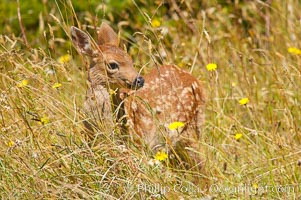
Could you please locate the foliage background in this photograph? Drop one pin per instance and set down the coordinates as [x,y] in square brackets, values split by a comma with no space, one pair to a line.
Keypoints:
[44,152]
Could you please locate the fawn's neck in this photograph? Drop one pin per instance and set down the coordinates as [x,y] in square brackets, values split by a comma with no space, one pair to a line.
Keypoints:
[96,78]
[100,81]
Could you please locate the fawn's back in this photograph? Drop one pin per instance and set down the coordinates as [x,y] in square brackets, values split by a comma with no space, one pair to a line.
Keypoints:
[169,95]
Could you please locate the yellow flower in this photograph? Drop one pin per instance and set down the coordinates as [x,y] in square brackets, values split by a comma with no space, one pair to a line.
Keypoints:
[243,101]
[64,59]
[238,136]
[112,92]
[155,23]
[294,51]
[44,120]
[211,67]
[57,85]
[174,125]
[255,186]
[23,83]
[161,155]
[10,143]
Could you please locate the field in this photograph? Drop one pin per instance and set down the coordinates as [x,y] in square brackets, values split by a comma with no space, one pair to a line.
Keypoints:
[251,137]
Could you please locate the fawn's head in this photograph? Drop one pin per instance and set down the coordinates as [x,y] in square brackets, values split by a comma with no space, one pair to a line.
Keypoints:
[109,63]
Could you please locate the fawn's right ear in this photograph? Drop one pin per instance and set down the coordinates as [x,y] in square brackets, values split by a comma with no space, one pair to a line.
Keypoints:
[81,41]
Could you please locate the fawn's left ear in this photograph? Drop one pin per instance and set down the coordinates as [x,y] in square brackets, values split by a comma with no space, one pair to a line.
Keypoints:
[81,41]
[106,35]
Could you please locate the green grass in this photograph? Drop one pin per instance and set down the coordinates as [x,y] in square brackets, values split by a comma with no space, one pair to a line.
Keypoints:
[249,41]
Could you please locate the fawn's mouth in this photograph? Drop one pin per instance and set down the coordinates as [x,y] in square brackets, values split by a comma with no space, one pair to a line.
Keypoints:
[138,83]
[132,85]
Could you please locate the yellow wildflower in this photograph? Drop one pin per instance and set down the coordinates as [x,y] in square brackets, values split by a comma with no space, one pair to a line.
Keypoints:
[243,101]
[10,143]
[57,85]
[155,23]
[44,120]
[23,83]
[112,92]
[294,51]
[211,67]
[64,59]
[255,186]
[238,136]
[174,125]
[161,155]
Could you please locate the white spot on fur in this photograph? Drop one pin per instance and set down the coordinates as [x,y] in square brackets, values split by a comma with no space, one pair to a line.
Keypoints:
[158,109]
[157,80]
[165,75]
[185,93]
[134,106]
[147,121]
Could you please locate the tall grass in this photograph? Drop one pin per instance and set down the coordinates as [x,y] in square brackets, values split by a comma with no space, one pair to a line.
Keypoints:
[250,151]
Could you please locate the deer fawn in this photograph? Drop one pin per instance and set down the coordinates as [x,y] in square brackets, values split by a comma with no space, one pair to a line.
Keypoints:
[166,95]
[110,68]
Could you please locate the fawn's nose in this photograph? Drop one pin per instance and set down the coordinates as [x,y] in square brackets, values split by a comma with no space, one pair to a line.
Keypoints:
[139,81]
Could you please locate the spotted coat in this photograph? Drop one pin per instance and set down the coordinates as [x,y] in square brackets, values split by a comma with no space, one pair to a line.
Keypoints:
[169,94]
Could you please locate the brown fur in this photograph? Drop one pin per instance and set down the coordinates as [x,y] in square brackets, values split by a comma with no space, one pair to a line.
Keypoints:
[97,105]
[170,94]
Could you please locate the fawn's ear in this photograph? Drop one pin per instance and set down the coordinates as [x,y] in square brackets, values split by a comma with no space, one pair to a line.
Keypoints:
[81,41]
[106,35]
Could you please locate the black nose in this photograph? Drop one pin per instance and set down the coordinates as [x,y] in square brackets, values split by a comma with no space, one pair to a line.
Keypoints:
[139,82]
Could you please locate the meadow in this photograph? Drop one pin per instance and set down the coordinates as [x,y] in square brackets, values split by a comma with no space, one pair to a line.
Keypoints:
[246,54]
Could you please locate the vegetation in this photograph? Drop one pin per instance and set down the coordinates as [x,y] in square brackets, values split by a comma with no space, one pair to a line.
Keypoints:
[250,141]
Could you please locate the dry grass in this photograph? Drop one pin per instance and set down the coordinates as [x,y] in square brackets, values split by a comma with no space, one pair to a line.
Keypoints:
[45,153]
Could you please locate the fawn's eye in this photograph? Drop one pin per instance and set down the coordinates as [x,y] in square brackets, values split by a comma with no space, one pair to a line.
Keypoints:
[113,65]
